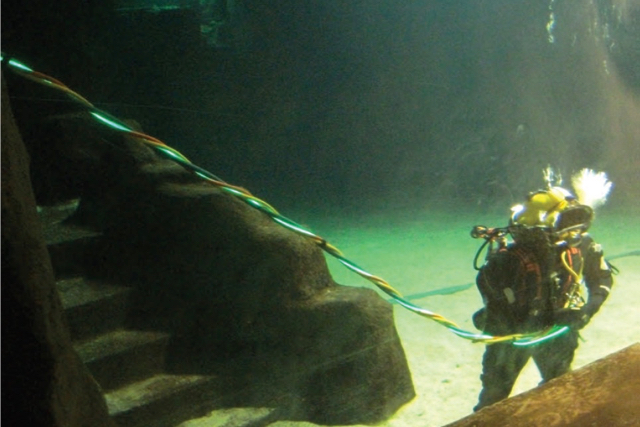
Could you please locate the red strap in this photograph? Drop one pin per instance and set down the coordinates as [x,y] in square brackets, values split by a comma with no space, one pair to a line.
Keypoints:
[530,266]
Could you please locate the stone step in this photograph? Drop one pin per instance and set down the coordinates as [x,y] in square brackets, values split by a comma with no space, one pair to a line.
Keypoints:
[159,401]
[122,357]
[129,365]
[55,214]
[92,308]
[54,228]
[237,417]
[67,243]
[72,257]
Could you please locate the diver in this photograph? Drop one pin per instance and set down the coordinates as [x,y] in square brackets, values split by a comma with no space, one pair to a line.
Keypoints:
[538,280]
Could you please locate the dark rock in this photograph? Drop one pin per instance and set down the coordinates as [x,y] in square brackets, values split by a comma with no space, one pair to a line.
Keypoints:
[44,383]
[247,298]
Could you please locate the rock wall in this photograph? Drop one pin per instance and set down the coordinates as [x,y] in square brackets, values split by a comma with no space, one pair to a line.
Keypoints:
[44,383]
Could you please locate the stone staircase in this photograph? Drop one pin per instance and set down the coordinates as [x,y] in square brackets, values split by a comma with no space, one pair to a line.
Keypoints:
[128,364]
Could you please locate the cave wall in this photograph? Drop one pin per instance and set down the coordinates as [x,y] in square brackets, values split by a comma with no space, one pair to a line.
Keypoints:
[44,382]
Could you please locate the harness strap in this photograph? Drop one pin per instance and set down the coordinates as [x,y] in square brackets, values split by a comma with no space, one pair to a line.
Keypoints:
[530,266]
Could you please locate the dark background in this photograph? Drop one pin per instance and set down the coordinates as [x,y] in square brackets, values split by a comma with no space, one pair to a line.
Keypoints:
[361,103]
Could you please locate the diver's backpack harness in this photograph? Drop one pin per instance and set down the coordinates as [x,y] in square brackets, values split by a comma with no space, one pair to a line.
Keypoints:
[517,289]
[528,291]
[167,152]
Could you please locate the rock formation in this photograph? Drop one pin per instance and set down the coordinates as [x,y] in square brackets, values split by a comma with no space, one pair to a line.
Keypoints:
[241,298]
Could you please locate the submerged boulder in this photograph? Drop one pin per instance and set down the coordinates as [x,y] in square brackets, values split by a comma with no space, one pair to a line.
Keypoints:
[254,302]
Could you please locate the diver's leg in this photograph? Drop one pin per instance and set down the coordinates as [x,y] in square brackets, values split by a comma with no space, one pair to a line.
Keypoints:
[501,365]
[554,358]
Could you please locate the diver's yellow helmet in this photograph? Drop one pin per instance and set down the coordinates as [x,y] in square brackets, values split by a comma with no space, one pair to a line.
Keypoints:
[542,208]
[554,212]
